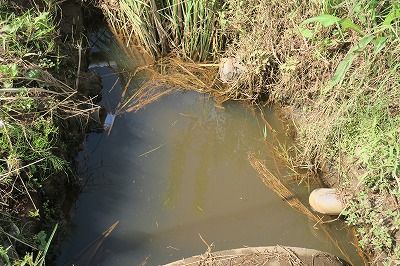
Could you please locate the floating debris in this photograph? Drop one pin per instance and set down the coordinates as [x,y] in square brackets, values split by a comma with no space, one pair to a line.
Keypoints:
[111,64]
[109,122]
[326,201]
[88,254]
[1,124]
[230,69]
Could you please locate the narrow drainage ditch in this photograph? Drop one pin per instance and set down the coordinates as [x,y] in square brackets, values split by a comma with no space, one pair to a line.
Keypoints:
[174,177]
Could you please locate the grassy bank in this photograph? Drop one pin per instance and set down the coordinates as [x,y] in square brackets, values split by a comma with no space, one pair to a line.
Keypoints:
[34,108]
[333,64]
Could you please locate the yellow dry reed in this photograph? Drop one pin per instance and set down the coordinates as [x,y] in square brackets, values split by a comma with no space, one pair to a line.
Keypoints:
[169,75]
[273,183]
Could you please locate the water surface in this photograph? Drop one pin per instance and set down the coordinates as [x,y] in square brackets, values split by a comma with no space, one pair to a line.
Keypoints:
[176,176]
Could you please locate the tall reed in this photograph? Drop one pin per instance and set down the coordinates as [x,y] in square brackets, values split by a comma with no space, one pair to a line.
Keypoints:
[193,29]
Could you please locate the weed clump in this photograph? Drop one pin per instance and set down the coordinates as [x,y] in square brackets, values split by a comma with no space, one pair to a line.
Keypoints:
[33,105]
[267,43]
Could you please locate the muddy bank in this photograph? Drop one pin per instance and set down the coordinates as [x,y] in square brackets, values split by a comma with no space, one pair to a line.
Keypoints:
[62,190]
[278,255]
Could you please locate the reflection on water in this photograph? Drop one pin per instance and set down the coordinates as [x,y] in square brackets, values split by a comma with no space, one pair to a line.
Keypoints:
[175,171]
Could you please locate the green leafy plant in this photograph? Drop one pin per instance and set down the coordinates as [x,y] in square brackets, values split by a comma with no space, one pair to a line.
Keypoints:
[4,255]
[41,240]
[346,24]
[27,34]
[7,74]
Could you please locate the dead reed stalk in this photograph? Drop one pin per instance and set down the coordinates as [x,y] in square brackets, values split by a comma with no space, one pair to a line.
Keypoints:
[273,183]
[166,76]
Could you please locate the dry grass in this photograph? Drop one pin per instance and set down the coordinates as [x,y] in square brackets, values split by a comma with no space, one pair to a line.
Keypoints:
[279,255]
[269,45]
[168,75]
[273,183]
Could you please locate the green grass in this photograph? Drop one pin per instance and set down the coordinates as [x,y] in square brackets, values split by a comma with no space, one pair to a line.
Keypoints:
[336,64]
[32,103]
[193,29]
[29,134]
[22,143]
[362,94]
[29,259]
[27,34]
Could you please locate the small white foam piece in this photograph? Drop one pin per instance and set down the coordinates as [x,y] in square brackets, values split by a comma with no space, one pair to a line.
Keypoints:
[109,122]
[111,64]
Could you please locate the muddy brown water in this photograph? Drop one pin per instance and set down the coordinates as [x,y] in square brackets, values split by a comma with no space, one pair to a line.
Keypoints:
[176,176]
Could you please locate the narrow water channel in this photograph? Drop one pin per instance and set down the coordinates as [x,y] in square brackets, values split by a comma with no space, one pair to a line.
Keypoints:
[175,175]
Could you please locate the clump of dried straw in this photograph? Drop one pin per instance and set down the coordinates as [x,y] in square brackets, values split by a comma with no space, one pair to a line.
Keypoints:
[273,182]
